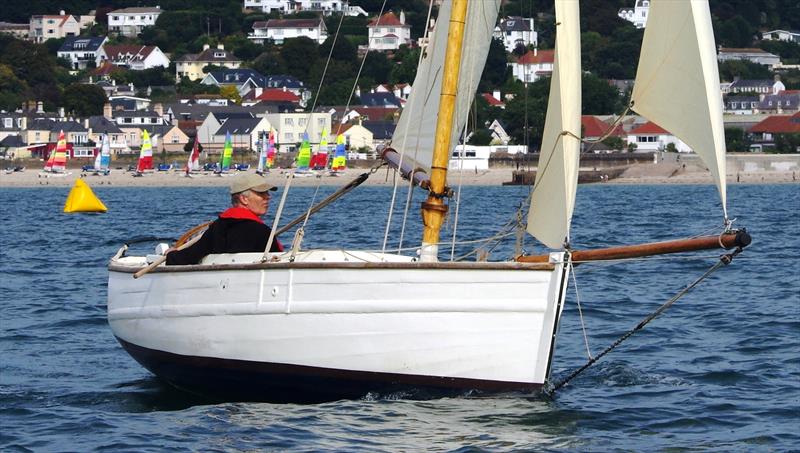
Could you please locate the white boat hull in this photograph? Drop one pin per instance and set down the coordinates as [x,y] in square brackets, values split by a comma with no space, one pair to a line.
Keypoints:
[325,328]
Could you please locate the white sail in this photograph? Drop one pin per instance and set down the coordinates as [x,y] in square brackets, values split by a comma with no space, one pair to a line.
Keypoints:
[415,131]
[677,83]
[557,174]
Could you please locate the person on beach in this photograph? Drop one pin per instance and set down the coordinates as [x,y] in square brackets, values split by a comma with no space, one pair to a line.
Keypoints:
[239,229]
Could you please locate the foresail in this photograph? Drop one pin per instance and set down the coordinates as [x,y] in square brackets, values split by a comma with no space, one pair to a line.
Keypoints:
[415,131]
[677,83]
[553,197]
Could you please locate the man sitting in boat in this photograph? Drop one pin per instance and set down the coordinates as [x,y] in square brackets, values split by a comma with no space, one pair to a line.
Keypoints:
[239,229]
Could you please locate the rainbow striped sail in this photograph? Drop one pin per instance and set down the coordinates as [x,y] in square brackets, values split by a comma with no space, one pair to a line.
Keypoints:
[146,154]
[271,149]
[304,155]
[57,162]
[340,155]
[227,153]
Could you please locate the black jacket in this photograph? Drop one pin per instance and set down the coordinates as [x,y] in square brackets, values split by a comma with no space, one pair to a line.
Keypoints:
[226,235]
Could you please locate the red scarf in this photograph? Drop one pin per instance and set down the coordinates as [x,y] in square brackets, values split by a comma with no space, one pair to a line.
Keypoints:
[241,213]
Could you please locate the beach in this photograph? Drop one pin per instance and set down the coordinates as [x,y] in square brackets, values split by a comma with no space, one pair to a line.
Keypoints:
[660,173]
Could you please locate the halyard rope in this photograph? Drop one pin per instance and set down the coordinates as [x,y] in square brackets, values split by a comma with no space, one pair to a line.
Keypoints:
[723,261]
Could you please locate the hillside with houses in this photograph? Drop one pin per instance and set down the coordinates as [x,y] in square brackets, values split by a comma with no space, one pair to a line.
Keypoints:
[299,67]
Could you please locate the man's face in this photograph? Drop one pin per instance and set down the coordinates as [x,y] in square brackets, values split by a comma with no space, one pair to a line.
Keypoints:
[257,202]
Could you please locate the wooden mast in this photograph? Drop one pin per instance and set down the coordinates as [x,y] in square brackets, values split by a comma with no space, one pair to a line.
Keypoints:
[434,209]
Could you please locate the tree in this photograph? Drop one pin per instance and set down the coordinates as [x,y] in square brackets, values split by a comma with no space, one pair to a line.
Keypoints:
[599,97]
[300,55]
[84,100]
[405,68]
[190,145]
[729,70]
[230,92]
[342,51]
[787,143]
[480,137]
[736,140]
[496,70]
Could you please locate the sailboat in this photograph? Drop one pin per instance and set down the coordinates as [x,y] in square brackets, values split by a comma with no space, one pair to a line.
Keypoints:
[267,326]
[304,158]
[103,158]
[339,162]
[227,156]
[193,163]
[145,162]
[56,164]
[262,155]
[271,150]
[319,160]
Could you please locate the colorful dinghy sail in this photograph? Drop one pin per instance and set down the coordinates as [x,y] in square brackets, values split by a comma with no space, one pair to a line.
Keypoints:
[227,154]
[146,154]
[340,156]
[271,150]
[57,162]
[193,164]
[304,155]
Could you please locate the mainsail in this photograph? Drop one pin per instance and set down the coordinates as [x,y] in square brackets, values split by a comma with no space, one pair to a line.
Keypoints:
[340,156]
[193,163]
[557,174]
[103,159]
[271,149]
[227,153]
[415,131]
[304,155]
[146,153]
[262,154]
[677,82]
[57,161]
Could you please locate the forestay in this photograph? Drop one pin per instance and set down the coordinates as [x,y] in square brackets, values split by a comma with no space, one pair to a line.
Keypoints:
[677,83]
[553,197]
[414,135]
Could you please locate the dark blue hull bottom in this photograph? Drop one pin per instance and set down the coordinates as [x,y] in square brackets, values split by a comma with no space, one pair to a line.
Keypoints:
[241,380]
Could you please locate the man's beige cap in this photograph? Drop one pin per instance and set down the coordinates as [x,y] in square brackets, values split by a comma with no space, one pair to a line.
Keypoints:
[250,181]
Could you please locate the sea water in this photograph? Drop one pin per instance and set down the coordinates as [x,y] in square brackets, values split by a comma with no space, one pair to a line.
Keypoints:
[718,371]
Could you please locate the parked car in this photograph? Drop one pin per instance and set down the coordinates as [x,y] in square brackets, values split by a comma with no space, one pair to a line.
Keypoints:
[242,167]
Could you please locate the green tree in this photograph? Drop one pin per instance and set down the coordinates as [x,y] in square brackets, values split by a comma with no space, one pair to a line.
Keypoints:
[12,89]
[405,68]
[231,93]
[480,137]
[736,140]
[787,143]
[599,97]
[342,51]
[269,62]
[84,100]
[377,68]
[735,32]
[729,70]
[300,55]
[496,69]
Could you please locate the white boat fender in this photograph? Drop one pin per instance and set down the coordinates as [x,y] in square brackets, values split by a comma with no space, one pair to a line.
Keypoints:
[161,248]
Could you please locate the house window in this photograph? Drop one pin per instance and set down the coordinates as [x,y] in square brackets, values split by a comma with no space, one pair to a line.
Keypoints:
[288,122]
[175,138]
[8,122]
[321,122]
[288,137]
[301,122]
[219,54]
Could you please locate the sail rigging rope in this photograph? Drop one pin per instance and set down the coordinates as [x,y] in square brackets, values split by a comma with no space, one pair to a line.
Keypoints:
[426,36]
[724,260]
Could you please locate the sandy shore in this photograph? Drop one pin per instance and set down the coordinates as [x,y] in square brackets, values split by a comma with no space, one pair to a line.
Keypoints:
[637,174]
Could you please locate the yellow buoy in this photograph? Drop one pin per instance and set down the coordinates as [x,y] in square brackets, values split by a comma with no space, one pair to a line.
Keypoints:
[82,199]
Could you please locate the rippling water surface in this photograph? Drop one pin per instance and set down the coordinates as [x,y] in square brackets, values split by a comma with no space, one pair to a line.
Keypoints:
[718,371]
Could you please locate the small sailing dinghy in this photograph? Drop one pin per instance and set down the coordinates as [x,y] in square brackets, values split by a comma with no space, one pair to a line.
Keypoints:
[193,163]
[103,159]
[56,164]
[145,163]
[268,326]
[226,158]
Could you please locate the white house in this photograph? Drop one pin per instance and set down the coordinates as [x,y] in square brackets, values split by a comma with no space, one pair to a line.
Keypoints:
[290,127]
[782,35]
[753,55]
[470,157]
[637,14]
[388,32]
[82,52]
[131,21]
[280,30]
[134,57]
[650,137]
[534,65]
[326,7]
[516,31]
[244,133]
